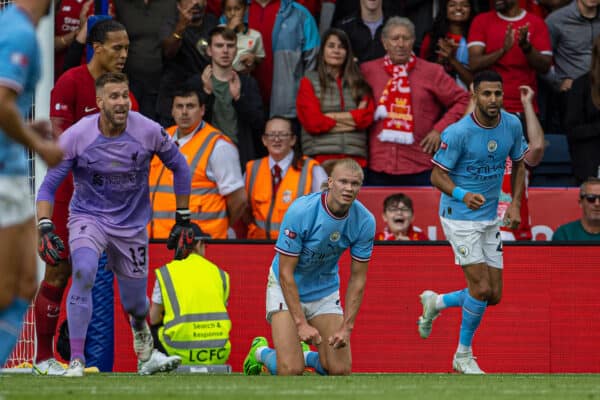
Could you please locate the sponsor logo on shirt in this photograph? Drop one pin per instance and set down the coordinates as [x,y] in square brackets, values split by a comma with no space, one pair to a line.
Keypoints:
[444,146]
[61,107]
[89,109]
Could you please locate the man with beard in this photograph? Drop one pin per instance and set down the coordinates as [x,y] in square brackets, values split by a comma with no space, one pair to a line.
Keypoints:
[72,98]
[184,40]
[19,74]
[468,170]
[109,154]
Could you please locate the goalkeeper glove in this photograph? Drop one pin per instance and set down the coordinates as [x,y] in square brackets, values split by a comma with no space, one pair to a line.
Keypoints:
[50,247]
[181,237]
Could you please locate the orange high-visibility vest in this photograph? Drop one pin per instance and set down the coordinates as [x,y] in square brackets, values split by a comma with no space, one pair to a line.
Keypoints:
[208,207]
[268,210]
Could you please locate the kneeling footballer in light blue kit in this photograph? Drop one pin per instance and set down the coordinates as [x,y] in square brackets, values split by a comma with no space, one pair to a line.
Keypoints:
[303,299]
[469,167]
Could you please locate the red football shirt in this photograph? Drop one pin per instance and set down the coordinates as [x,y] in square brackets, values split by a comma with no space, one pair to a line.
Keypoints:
[488,30]
[523,232]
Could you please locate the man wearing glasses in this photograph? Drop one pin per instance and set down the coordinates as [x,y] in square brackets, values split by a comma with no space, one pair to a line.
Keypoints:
[273,182]
[218,197]
[588,227]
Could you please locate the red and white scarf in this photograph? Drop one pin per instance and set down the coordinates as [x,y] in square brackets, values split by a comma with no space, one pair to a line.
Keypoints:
[395,105]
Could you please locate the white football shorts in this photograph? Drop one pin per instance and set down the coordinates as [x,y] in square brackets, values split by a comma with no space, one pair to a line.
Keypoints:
[15,200]
[329,304]
[474,242]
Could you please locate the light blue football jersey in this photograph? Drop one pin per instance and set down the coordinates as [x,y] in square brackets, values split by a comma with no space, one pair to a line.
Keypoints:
[318,238]
[475,157]
[19,71]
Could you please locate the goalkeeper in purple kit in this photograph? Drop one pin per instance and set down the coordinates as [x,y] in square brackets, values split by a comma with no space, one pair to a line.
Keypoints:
[109,154]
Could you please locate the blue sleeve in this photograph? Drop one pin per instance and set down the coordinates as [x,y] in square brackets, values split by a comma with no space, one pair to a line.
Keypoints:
[519,148]
[169,154]
[312,40]
[363,248]
[289,241]
[450,149]
[17,55]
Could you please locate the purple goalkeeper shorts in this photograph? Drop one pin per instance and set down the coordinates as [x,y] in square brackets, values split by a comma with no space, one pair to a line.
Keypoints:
[126,253]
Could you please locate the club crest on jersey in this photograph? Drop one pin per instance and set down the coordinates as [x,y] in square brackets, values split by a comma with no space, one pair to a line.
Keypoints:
[290,234]
[492,146]
[287,196]
[335,236]
[463,250]
[19,59]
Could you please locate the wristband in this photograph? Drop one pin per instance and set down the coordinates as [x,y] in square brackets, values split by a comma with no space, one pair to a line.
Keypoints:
[176,35]
[182,215]
[459,193]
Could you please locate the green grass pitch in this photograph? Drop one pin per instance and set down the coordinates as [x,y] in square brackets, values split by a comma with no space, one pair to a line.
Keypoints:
[358,386]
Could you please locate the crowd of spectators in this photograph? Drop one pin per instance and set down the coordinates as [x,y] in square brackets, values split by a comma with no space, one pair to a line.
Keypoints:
[328,69]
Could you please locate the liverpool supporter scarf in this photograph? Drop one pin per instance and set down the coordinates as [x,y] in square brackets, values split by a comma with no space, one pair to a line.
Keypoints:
[395,105]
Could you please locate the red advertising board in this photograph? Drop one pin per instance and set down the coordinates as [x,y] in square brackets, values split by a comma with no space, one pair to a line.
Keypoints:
[546,322]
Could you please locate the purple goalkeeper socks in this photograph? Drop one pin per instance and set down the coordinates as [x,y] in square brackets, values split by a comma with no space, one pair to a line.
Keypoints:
[79,299]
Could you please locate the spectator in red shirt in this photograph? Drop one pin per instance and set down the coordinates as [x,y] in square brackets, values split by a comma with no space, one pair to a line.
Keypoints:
[335,104]
[514,43]
[415,101]
[69,18]
[398,215]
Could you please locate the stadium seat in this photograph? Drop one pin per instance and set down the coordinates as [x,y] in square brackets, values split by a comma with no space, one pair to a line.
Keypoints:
[555,168]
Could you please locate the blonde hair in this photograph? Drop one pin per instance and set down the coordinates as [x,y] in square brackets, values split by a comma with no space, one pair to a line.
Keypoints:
[350,164]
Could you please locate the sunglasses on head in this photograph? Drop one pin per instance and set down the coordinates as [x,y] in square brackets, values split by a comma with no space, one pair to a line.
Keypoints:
[590,198]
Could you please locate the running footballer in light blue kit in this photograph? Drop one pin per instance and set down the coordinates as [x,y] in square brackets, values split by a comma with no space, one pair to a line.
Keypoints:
[109,154]
[19,74]
[303,299]
[469,168]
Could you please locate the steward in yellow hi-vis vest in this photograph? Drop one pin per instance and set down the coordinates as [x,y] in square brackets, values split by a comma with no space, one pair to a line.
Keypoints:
[194,294]
[207,206]
[268,208]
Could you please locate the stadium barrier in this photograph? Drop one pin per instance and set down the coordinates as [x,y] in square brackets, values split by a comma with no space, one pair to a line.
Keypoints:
[546,323]
[548,207]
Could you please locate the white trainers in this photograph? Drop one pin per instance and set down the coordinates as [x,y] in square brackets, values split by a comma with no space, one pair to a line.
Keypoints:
[425,322]
[158,362]
[76,368]
[49,367]
[465,363]
[143,343]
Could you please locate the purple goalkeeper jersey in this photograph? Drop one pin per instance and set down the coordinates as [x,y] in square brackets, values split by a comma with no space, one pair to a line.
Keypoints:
[110,174]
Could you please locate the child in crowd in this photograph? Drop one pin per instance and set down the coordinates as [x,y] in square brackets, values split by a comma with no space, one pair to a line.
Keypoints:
[398,215]
[250,49]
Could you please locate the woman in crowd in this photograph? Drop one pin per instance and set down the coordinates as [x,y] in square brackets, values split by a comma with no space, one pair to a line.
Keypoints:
[446,44]
[335,104]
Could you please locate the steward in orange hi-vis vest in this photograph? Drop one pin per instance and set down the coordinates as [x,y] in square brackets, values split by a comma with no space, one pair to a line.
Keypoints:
[208,207]
[268,209]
